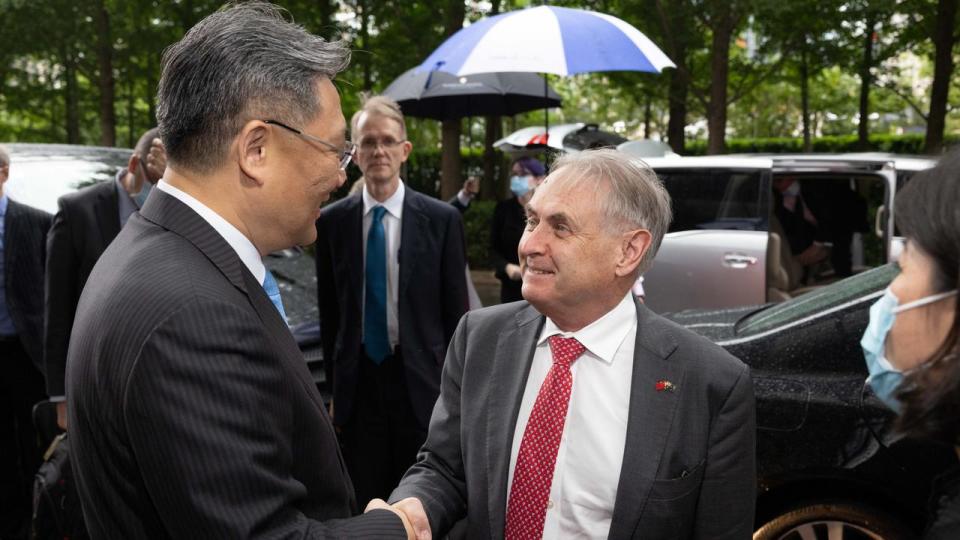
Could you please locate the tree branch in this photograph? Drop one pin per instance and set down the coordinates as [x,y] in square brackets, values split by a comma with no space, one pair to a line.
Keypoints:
[913,105]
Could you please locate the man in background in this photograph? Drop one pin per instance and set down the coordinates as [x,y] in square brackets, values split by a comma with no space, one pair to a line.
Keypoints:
[391,287]
[86,222]
[23,232]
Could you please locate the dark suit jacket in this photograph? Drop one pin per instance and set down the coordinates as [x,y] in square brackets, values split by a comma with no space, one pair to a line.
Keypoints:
[432,296]
[85,224]
[689,466]
[192,413]
[24,256]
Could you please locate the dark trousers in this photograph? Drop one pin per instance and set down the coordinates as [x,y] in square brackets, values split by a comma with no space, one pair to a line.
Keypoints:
[382,437]
[21,386]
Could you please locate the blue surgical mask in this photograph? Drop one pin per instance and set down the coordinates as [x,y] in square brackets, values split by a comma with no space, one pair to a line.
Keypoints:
[141,197]
[519,185]
[884,379]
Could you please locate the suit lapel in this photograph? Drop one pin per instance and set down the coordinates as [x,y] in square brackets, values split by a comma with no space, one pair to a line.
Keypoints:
[511,366]
[107,210]
[413,227]
[651,417]
[348,258]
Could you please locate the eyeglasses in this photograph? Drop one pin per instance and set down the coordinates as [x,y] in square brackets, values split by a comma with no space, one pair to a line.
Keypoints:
[346,153]
[370,145]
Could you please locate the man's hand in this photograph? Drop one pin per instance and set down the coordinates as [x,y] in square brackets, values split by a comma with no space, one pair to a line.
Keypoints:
[513,272]
[62,415]
[471,186]
[411,513]
[156,161]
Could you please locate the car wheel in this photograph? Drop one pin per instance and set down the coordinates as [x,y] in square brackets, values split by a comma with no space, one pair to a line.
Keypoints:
[833,521]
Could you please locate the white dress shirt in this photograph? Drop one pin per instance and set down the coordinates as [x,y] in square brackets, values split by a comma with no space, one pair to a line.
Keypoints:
[590,456]
[245,249]
[392,220]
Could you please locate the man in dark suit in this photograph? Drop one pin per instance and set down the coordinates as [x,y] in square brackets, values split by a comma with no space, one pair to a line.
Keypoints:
[192,413]
[582,413]
[86,222]
[23,232]
[391,286]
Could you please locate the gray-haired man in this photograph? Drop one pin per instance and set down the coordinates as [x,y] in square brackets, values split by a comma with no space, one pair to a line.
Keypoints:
[191,411]
[582,414]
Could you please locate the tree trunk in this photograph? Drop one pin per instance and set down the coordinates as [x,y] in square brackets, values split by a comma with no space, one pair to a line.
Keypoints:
[450,177]
[647,116]
[108,118]
[491,156]
[677,98]
[72,96]
[362,7]
[328,26]
[805,98]
[719,71]
[943,41]
[863,129]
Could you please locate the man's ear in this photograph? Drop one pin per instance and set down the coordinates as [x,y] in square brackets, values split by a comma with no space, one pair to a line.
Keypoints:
[407,148]
[132,163]
[257,150]
[634,245]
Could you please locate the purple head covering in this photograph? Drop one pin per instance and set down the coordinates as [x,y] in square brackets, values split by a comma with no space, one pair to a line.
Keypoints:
[532,165]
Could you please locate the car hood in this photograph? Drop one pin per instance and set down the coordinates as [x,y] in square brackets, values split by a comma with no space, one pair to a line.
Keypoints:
[714,324]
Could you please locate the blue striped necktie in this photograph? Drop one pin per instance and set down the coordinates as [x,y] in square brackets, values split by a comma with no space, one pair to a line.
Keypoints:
[273,291]
[375,339]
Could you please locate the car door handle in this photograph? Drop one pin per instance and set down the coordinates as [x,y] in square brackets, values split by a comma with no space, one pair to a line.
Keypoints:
[738,260]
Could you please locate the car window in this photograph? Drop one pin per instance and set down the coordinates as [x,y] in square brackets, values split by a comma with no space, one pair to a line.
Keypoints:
[41,174]
[818,300]
[704,199]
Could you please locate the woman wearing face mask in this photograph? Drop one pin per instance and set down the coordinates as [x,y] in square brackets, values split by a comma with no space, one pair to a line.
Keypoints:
[911,344]
[508,223]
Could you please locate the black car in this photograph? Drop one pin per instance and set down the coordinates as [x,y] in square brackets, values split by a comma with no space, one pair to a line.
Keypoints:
[41,173]
[828,463]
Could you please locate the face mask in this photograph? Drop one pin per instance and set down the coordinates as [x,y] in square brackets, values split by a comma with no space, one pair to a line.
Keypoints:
[884,379]
[141,197]
[793,190]
[519,185]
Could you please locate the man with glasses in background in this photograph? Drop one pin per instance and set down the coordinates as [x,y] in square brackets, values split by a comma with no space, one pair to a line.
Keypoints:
[391,287]
[86,222]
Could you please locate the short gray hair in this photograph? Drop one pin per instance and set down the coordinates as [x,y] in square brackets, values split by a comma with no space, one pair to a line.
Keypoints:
[4,157]
[241,63]
[636,199]
[384,106]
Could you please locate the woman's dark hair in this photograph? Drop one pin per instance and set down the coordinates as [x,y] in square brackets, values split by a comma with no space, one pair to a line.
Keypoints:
[928,214]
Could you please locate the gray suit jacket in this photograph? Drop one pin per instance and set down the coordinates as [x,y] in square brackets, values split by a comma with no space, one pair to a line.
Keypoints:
[192,412]
[689,466]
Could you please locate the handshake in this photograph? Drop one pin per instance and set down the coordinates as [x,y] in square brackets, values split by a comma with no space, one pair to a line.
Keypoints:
[412,514]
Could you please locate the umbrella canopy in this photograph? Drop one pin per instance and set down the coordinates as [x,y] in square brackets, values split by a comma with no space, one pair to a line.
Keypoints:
[548,39]
[567,137]
[444,96]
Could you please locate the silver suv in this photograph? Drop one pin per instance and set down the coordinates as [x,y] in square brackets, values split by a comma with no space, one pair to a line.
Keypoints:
[732,244]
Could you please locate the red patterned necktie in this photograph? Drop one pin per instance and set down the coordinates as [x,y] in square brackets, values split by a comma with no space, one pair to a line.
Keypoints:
[533,474]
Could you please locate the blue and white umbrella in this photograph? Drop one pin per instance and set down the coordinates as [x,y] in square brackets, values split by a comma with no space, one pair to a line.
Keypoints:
[548,39]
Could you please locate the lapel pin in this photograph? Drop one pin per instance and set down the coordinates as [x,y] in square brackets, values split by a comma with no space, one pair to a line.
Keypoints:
[665,385]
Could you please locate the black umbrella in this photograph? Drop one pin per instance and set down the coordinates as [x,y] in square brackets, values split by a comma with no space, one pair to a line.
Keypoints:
[444,96]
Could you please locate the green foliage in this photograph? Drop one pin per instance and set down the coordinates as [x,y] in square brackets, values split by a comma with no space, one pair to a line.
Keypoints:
[476,223]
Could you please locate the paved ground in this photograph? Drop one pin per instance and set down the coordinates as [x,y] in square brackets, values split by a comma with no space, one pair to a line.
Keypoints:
[488,287]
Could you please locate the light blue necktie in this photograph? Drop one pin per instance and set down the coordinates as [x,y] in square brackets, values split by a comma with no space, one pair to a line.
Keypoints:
[375,339]
[273,291]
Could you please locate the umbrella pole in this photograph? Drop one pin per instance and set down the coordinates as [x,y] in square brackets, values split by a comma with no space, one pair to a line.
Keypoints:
[546,111]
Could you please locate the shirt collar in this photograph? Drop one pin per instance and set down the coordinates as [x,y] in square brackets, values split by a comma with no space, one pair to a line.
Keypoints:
[393,204]
[603,336]
[3,205]
[245,249]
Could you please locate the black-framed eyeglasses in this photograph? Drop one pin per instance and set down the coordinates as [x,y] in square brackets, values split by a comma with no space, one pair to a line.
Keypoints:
[346,153]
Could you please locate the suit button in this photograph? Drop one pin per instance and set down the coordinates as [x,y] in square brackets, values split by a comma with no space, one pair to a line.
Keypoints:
[549,505]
